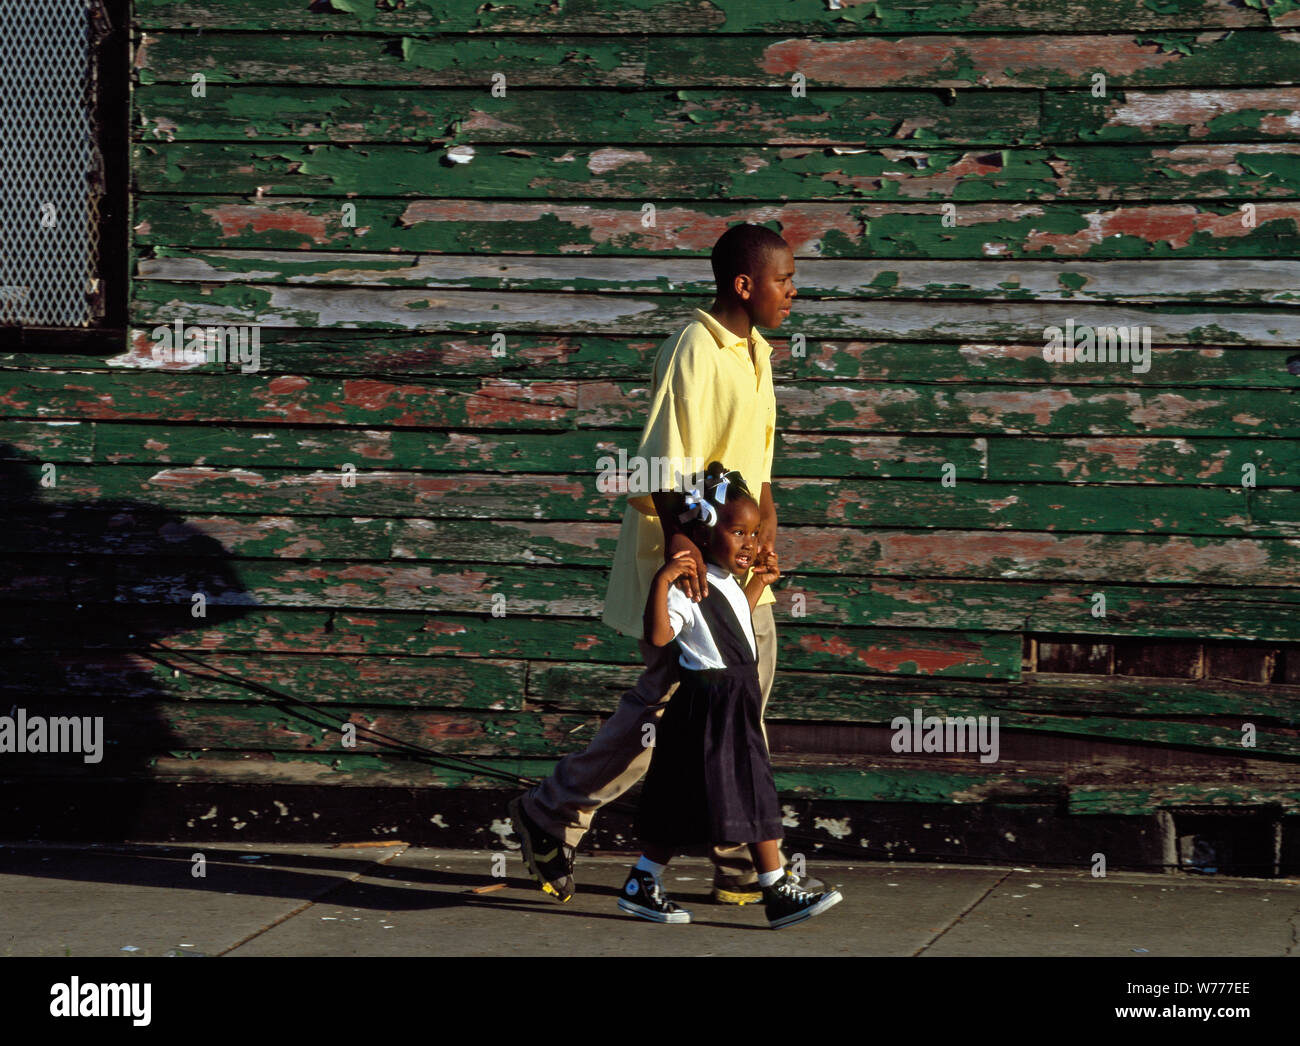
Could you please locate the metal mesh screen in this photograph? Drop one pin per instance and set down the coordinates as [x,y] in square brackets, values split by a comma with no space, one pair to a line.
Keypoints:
[51,169]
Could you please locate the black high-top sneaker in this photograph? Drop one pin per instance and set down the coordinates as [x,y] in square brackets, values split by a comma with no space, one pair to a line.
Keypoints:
[643,895]
[787,904]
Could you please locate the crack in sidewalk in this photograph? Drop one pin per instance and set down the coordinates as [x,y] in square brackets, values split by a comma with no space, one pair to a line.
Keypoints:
[964,912]
[338,885]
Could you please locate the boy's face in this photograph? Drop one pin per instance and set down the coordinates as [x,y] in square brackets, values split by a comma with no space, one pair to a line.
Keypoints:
[734,538]
[773,289]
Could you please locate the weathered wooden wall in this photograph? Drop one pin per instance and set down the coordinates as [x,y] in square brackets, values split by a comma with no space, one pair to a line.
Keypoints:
[522,215]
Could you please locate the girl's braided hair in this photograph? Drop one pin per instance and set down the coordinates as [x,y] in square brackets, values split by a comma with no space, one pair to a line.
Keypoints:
[717,486]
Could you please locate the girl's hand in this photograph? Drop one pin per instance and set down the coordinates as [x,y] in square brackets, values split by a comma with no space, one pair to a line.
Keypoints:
[767,568]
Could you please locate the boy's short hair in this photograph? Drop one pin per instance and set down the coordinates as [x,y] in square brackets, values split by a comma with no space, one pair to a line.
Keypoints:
[742,250]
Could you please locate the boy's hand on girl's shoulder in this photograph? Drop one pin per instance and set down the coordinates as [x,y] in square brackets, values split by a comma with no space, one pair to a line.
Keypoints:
[696,583]
[681,569]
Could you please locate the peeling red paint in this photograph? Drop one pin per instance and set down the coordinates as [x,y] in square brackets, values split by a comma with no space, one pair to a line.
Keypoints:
[1173,224]
[868,62]
[992,408]
[234,218]
[1169,408]
[927,660]
[286,384]
[504,401]
[676,228]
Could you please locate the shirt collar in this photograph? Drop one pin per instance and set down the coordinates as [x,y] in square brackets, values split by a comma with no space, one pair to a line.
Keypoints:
[716,571]
[727,339]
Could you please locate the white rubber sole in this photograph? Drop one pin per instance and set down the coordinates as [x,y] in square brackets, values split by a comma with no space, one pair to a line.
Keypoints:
[830,899]
[649,913]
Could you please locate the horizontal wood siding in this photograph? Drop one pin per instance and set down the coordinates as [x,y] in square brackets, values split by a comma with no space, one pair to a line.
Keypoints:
[353,510]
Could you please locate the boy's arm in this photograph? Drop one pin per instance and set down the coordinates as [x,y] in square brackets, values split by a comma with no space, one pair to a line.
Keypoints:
[675,431]
[675,541]
[766,572]
[767,520]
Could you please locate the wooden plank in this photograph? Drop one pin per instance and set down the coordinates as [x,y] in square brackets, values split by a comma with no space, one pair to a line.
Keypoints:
[719,16]
[1207,114]
[1147,558]
[838,697]
[535,405]
[832,230]
[266,631]
[166,112]
[135,728]
[1179,171]
[1126,509]
[215,683]
[561,452]
[543,405]
[42,441]
[536,356]
[1128,281]
[249,304]
[139,529]
[796,776]
[1141,460]
[1175,612]
[550,642]
[1029,60]
[1231,789]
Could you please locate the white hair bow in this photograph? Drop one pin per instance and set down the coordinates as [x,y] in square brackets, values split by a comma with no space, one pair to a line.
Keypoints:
[697,507]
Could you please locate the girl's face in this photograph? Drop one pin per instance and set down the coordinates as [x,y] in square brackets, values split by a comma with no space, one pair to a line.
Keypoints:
[733,541]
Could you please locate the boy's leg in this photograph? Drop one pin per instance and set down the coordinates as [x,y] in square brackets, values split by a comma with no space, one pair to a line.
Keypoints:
[613,762]
[734,877]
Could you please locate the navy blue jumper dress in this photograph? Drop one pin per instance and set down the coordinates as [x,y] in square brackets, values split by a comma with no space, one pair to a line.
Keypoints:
[710,778]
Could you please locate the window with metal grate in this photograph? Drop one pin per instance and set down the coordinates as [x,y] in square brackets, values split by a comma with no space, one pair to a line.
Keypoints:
[53,173]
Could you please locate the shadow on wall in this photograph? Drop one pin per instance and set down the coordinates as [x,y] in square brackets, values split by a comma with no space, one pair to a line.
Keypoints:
[85,588]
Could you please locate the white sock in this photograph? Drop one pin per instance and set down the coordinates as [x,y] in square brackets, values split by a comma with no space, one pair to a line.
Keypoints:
[647,865]
[768,878]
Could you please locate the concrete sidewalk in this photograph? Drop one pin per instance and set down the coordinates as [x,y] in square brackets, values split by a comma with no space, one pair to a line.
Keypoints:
[322,900]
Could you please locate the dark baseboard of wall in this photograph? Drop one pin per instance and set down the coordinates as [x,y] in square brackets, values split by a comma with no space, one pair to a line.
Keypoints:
[1227,842]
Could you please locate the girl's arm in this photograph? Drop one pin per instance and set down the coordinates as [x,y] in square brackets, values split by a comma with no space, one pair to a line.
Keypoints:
[658,629]
[766,572]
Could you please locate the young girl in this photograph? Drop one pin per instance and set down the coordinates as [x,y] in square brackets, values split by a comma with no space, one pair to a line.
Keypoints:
[710,779]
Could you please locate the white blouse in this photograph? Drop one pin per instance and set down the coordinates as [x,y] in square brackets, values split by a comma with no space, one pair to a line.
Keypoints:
[692,631]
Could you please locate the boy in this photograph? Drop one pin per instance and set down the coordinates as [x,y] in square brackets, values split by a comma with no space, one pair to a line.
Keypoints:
[711,400]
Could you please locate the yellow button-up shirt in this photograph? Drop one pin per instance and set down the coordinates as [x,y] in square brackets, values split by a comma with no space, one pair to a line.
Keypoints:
[708,401]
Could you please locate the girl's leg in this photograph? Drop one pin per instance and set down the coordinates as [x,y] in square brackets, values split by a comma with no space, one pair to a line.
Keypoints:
[643,894]
[767,860]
